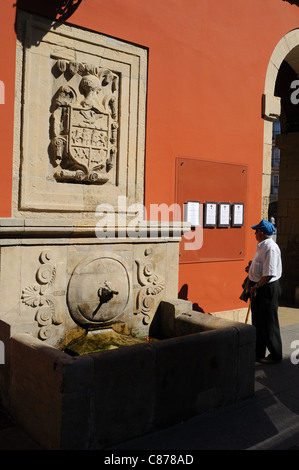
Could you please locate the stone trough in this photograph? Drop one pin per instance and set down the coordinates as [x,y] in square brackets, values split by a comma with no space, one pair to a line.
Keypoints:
[98,399]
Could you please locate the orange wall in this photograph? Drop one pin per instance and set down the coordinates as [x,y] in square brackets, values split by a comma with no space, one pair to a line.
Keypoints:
[7,76]
[207,67]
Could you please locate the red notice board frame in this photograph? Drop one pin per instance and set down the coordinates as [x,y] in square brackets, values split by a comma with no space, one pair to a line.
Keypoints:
[205,180]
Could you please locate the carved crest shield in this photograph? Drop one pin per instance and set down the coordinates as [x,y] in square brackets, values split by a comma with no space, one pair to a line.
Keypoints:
[88,140]
[85,132]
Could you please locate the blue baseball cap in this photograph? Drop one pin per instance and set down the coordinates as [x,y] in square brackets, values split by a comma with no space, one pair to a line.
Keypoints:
[264,226]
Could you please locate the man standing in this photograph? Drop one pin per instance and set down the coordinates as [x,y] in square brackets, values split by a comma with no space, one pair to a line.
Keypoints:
[264,273]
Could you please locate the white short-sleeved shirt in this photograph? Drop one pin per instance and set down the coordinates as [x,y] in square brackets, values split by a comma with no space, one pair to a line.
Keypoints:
[266,261]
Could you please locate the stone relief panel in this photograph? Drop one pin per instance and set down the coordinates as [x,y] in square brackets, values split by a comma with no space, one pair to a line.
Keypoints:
[79,136]
[94,291]
[84,124]
[150,285]
[40,296]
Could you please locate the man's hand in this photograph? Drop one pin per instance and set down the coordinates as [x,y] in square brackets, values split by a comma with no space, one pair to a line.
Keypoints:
[248,266]
[253,290]
[264,280]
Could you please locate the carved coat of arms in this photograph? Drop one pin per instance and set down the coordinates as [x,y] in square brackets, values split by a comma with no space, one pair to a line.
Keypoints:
[84,132]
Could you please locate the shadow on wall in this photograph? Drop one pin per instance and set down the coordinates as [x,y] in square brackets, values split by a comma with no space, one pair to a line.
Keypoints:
[60,10]
[56,10]
[292,2]
[183,295]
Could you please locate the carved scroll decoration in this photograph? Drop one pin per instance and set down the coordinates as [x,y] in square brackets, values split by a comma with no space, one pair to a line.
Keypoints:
[38,297]
[84,124]
[151,284]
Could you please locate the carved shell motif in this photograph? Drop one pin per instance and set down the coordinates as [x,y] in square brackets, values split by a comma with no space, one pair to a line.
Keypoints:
[30,296]
[157,284]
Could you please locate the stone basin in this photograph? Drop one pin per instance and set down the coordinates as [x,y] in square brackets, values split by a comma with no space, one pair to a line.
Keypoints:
[103,398]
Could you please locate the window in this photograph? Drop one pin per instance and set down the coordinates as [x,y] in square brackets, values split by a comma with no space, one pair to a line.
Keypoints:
[276,129]
[274,184]
[275,157]
[275,151]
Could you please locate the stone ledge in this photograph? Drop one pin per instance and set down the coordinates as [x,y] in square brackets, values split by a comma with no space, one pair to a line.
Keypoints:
[51,228]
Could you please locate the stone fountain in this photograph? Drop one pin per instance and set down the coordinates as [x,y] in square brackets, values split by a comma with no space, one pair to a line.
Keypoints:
[75,262]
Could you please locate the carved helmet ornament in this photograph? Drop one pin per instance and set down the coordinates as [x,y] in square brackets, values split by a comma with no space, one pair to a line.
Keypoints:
[85,130]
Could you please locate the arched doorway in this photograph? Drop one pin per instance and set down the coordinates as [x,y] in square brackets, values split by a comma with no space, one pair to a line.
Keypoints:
[281,110]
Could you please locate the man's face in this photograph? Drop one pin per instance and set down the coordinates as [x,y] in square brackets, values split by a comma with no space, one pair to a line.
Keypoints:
[259,235]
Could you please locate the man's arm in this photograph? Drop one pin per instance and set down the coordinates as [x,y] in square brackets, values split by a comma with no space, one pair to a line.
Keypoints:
[264,280]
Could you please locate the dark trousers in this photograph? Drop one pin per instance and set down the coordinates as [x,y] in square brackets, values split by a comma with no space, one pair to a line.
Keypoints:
[264,310]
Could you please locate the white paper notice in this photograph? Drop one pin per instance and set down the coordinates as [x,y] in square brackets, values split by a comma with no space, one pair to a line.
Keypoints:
[192,213]
[211,214]
[238,214]
[224,214]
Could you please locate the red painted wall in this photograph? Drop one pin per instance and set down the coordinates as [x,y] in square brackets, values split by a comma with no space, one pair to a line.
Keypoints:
[7,76]
[206,74]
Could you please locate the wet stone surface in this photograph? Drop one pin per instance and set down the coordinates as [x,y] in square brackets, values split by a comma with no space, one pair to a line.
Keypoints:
[103,340]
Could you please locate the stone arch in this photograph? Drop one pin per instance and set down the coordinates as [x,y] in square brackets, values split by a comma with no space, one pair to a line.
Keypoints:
[286,49]
[283,69]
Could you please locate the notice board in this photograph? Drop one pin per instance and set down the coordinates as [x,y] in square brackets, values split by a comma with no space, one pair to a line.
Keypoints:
[223,185]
